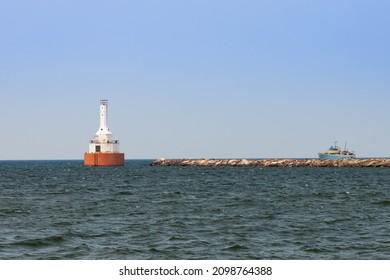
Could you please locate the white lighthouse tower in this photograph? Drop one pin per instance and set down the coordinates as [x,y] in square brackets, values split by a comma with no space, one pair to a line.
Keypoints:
[103,150]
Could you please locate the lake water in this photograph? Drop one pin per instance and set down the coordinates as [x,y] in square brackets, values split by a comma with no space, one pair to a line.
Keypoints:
[63,210]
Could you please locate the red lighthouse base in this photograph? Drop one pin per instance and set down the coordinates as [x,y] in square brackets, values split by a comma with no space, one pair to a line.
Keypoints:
[104,159]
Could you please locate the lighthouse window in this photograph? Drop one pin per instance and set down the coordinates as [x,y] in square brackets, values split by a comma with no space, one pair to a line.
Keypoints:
[97,149]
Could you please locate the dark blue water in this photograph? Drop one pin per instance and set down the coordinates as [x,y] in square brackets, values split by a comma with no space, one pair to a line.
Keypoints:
[63,210]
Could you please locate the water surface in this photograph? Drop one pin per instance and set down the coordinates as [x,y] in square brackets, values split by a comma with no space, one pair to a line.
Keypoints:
[63,210]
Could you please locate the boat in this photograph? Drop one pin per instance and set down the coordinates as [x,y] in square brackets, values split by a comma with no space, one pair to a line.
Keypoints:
[335,153]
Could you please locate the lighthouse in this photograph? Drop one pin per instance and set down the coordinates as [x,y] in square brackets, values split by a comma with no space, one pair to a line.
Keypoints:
[103,150]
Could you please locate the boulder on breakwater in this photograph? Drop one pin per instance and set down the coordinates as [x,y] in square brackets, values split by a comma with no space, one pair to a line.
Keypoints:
[374,162]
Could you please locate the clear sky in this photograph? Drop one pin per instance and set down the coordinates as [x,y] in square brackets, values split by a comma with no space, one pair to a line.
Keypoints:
[195,78]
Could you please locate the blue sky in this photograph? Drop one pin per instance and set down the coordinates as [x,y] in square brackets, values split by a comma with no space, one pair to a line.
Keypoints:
[212,79]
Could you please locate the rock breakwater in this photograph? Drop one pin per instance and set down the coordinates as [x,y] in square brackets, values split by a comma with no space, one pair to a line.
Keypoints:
[374,162]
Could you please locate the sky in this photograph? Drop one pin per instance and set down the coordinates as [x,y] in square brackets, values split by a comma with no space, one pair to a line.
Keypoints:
[195,78]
